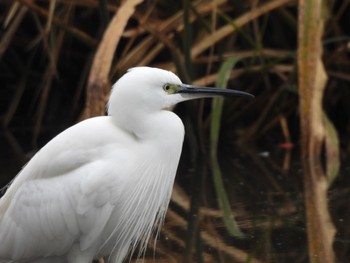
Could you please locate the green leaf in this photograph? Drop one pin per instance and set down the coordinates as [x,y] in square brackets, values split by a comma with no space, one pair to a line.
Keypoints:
[217,105]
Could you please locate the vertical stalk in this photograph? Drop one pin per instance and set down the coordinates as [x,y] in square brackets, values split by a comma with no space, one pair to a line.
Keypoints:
[216,113]
[98,85]
[187,37]
[312,79]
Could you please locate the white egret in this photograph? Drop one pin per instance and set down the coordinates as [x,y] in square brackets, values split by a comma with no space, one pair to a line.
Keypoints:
[101,187]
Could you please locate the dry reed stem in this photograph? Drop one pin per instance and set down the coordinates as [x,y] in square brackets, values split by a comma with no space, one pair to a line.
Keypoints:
[82,36]
[98,83]
[180,198]
[150,47]
[13,26]
[228,29]
[46,82]
[312,80]
[214,240]
[210,79]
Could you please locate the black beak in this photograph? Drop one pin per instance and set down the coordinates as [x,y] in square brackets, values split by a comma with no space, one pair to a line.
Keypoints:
[210,92]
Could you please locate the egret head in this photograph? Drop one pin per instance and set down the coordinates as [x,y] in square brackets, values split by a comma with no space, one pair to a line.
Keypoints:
[152,89]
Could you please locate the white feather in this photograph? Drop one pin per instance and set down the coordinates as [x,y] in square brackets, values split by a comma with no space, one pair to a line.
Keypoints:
[101,187]
[84,187]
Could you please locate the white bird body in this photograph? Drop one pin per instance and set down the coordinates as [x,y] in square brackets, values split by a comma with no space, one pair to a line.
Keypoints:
[100,186]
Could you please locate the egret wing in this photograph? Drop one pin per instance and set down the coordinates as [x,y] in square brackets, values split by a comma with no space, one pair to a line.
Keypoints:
[47,216]
[62,195]
[40,220]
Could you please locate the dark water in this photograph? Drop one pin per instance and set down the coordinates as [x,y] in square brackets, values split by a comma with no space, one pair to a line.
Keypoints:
[265,191]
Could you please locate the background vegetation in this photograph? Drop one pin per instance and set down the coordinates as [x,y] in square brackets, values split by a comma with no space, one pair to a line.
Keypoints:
[59,58]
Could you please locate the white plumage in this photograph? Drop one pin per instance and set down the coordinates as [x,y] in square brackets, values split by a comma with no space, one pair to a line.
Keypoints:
[101,187]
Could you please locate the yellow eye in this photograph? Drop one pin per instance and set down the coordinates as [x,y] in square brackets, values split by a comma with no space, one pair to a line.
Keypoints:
[166,87]
[170,88]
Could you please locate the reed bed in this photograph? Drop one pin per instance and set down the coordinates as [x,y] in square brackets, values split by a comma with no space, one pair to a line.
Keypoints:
[59,58]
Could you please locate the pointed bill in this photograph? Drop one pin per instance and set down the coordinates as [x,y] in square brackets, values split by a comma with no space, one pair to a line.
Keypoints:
[203,92]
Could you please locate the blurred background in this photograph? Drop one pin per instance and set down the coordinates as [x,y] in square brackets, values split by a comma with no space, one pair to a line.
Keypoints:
[243,191]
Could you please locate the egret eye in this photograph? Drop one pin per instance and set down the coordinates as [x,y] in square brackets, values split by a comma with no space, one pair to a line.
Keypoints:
[166,87]
[170,88]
